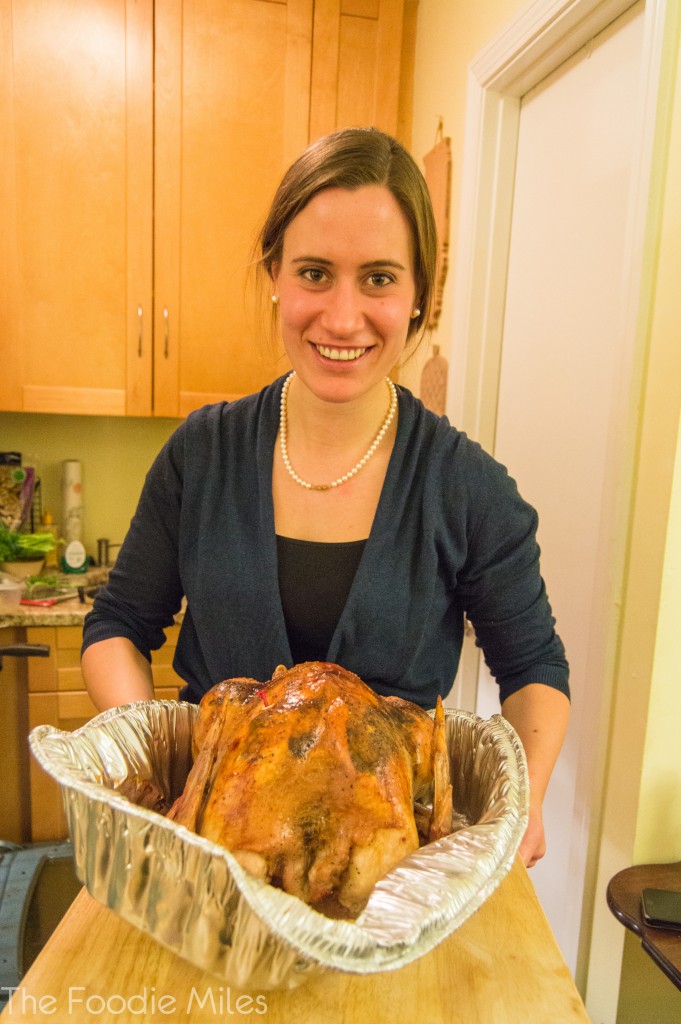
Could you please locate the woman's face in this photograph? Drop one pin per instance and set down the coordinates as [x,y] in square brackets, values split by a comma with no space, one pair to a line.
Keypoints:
[346,290]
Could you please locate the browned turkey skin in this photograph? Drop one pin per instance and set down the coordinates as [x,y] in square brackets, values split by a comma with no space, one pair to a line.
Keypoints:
[310,781]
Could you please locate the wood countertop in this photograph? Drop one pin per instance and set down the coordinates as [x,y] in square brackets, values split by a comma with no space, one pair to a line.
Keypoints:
[502,966]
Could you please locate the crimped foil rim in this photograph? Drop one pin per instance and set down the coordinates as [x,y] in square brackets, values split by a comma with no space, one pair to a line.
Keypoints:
[422,901]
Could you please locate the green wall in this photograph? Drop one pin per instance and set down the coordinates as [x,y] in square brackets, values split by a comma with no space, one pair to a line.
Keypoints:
[115,452]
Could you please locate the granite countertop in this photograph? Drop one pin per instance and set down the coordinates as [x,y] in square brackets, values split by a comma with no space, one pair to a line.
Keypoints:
[65,613]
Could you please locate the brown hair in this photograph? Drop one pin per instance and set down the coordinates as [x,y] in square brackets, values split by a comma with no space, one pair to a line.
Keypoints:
[351,158]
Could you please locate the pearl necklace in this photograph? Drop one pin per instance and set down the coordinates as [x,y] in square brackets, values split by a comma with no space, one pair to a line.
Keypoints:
[390,415]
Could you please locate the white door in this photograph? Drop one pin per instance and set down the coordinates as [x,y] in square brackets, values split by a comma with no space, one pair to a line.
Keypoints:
[562,361]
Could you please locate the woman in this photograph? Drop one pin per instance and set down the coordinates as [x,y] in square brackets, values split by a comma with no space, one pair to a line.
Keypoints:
[331,516]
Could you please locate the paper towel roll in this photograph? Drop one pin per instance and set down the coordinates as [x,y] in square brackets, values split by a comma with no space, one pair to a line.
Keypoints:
[72,500]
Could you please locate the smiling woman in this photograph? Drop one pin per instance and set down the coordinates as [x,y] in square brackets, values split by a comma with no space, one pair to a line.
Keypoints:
[248,500]
[346,290]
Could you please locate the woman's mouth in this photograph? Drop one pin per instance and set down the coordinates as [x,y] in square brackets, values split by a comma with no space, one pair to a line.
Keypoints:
[340,354]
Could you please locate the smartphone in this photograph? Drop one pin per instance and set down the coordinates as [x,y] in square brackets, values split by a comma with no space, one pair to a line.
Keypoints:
[662,908]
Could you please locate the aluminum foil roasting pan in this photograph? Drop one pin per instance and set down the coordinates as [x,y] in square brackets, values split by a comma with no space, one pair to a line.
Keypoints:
[120,773]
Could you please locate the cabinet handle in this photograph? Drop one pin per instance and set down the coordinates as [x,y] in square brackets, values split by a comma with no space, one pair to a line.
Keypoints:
[139,332]
[166,332]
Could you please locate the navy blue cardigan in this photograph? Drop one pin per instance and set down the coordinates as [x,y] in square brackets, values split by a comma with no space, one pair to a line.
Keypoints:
[451,536]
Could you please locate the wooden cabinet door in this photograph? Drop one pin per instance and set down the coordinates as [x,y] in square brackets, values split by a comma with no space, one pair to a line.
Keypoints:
[119,114]
[76,98]
[362,65]
[232,110]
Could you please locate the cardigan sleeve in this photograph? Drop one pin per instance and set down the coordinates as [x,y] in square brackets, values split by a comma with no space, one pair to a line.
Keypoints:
[502,590]
[144,590]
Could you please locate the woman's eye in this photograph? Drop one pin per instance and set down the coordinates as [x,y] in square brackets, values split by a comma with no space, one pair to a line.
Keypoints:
[313,274]
[380,280]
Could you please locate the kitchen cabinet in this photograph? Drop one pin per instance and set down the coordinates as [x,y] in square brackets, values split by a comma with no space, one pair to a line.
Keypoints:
[76,97]
[141,145]
[14,755]
[57,697]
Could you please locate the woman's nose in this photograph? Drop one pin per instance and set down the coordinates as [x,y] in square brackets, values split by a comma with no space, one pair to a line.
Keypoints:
[342,314]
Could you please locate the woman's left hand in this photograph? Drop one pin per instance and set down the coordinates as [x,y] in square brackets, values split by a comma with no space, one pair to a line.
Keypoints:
[533,845]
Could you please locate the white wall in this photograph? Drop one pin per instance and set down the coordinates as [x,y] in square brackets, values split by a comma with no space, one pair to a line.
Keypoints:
[450,35]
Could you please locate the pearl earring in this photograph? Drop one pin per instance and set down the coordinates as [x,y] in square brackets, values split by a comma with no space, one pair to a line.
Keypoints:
[415,312]
[275,299]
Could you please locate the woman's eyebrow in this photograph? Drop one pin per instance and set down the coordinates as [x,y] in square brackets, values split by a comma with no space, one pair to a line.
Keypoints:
[382,263]
[369,265]
[311,259]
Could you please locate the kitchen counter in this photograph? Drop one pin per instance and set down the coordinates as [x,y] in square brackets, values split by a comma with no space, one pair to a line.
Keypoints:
[502,965]
[65,613]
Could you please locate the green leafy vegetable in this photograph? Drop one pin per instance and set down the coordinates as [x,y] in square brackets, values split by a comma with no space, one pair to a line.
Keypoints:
[22,547]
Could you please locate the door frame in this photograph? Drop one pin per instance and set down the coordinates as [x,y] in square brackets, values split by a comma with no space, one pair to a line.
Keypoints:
[531,47]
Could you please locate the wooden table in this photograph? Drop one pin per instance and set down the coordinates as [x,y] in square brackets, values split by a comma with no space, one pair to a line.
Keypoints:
[502,966]
[663,946]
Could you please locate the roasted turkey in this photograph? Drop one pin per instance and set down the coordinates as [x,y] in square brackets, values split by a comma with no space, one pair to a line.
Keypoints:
[311,779]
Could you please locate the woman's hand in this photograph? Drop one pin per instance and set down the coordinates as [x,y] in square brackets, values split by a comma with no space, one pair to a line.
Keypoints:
[533,845]
[539,714]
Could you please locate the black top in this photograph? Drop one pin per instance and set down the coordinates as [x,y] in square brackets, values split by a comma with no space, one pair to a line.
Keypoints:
[314,582]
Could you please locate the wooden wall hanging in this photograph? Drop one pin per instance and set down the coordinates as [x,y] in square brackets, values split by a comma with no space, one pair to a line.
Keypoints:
[433,392]
[438,175]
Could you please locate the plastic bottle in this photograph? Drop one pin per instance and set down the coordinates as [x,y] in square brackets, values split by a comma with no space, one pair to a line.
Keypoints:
[74,558]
